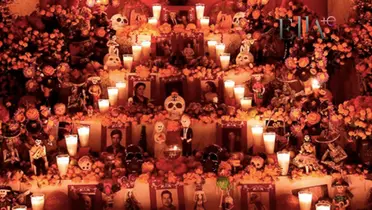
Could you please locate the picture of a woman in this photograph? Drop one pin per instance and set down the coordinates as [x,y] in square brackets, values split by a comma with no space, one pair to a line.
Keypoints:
[139,97]
[210,91]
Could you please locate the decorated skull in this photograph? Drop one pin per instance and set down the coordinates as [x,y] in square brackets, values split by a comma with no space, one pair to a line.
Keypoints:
[237,18]
[112,61]
[4,192]
[244,58]
[175,106]
[85,163]
[159,127]
[212,157]
[118,21]
[133,159]
[257,162]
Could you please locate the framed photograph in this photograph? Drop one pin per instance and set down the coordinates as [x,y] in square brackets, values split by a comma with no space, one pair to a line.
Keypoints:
[173,84]
[85,197]
[145,87]
[163,46]
[232,136]
[210,89]
[296,85]
[319,192]
[113,134]
[258,196]
[163,198]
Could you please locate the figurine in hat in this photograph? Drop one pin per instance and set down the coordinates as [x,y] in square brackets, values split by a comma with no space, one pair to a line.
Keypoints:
[186,135]
[5,200]
[199,199]
[10,154]
[341,201]
[38,158]
[334,156]
[306,158]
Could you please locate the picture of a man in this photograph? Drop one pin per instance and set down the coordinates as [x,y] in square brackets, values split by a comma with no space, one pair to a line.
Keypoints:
[116,137]
[167,201]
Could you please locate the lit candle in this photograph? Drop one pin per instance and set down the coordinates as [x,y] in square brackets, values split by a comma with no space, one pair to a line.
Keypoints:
[146,49]
[91,3]
[246,103]
[269,141]
[225,60]
[19,208]
[323,206]
[212,48]
[204,22]
[257,131]
[128,61]
[62,162]
[113,95]
[121,86]
[283,160]
[83,132]
[199,7]
[315,84]
[220,49]
[71,142]
[103,105]
[305,199]
[156,10]
[239,93]
[153,21]
[229,87]
[137,50]
[37,201]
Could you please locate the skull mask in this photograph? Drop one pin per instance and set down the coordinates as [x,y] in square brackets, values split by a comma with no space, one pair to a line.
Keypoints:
[118,21]
[175,105]
[112,61]
[211,158]
[257,162]
[237,18]
[85,163]
[133,159]
[4,193]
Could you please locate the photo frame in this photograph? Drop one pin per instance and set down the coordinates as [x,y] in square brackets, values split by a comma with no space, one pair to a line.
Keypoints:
[320,192]
[163,46]
[109,131]
[280,128]
[167,197]
[258,196]
[150,83]
[232,136]
[168,85]
[86,197]
[218,86]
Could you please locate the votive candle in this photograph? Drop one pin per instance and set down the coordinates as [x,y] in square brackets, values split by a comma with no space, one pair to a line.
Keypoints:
[323,206]
[204,22]
[199,7]
[315,84]
[269,141]
[212,48]
[229,87]
[121,85]
[246,103]
[220,49]
[37,201]
[137,51]
[83,132]
[257,131]
[146,49]
[113,95]
[225,60]
[62,162]
[153,21]
[71,142]
[22,207]
[103,105]
[156,10]
[128,61]
[90,3]
[239,93]
[283,160]
[305,198]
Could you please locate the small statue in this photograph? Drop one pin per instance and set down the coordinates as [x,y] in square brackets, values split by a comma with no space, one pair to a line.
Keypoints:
[131,202]
[109,165]
[38,158]
[95,91]
[188,52]
[5,201]
[341,201]
[10,155]
[199,199]
[248,42]
[186,135]
[258,89]
[228,203]
[245,57]
[336,155]
[159,138]
[306,158]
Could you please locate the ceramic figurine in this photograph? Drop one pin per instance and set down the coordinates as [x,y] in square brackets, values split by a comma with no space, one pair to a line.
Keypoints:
[10,154]
[258,89]
[112,60]
[186,135]
[95,91]
[175,106]
[199,199]
[307,156]
[119,21]
[5,200]
[159,138]
[38,158]
[341,200]
[188,52]
[334,156]
[131,202]
[228,203]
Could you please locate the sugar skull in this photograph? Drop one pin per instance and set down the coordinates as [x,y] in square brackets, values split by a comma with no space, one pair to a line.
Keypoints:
[237,18]
[111,60]
[133,159]
[185,121]
[257,162]
[244,58]
[224,21]
[159,127]
[85,163]
[60,109]
[175,106]
[118,21]
[212,157]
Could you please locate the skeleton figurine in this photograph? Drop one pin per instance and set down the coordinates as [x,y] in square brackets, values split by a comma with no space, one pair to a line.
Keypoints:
[186,135]
[245,58]
[199,199]
[341,200]
[10,154]
[228,203]
[95,91]
[258,89]
[159,138]
[5,201]
[307,156]
[38,158]
[334,156]
[175,105]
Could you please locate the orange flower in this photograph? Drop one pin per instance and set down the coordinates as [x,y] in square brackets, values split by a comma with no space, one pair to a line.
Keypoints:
[313,118]
[256,14]
[303,62]
[100,32]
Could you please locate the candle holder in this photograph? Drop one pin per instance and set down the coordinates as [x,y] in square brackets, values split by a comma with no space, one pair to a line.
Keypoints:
[71,142]
[62,162]
[305,198]
[212,48]
[220,49]
[246,103]
[239,93]
[172,152]
[269,141]
[229,87]
[137,51]
[315,84]
[83,133]
[103,105]
[323,205]
[283,161]
[37,201]
[146,49]
[128,61]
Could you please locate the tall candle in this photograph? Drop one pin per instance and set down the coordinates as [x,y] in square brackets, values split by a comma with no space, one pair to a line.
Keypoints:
[71,142]
[204,22]
[113,95]
[269,141]
[220,49]
[199,7]
[103,105]
[212,48]
[229,87]
[128,61]
[137,51]
[153,21]
[22,207]
[83,132]
[323,206]
[90,3]
[121,87]
[225,60]
[156,10]
[37,201]
[239,93]
[305,199]
[246,103]
[146,49]
[62,162]
[283,160]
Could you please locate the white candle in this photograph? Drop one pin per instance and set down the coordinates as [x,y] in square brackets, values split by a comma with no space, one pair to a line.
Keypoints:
[305,199]
[62,162]
[137,50]
[229,87]
[269,141]
[156,10]
[246,103]
[128,61]
[103,105]
[283,160]
[90,3]
[153,21]
[323,206]
[19,208]
[113,95]
[83,132]
[315,84]
[204,22]
[146,49]
[37,201]
[212,48]
[220,49]
[71,142]
[225,60]
[257,131]
[121,87]
[199,7]
[239,93]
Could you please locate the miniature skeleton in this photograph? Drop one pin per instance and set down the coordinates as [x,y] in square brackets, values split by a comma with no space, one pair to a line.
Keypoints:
[159,138]
[307,156]
[336,155]
[38,158]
